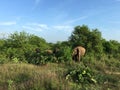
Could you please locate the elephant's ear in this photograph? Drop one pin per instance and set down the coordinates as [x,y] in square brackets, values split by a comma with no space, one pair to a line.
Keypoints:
[75,51]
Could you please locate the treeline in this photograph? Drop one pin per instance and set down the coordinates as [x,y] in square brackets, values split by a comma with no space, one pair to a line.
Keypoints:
[29,48]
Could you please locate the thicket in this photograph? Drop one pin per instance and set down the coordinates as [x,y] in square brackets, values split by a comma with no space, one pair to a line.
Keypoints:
[24,47]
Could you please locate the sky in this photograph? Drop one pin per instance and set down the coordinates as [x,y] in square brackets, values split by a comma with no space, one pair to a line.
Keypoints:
[54,20]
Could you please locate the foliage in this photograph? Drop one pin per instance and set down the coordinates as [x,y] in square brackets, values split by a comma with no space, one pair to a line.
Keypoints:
[98,69]
[79,35]
[10,82]
[81,75]
[24,47]
[52,76]
[90,39]
[111,48]
[30,77]
[64,54]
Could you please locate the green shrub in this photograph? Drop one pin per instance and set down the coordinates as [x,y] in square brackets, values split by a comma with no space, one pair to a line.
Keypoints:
[81,75]
[3,59]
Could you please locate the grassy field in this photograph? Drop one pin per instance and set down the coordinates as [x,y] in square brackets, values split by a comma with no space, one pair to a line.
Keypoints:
[52,76]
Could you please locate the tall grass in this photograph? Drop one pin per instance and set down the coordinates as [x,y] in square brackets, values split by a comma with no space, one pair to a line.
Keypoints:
[52,76]
[30,77]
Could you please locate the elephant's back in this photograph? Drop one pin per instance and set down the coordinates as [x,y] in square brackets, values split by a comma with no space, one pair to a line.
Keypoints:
[82,50]
[49,51]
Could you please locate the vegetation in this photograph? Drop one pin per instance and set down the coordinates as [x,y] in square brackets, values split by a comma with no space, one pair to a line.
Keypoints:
[25,64]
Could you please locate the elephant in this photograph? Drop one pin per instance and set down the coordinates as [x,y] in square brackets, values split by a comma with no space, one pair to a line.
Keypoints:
[78,52]
[49,52]
[37,50]
[54,51]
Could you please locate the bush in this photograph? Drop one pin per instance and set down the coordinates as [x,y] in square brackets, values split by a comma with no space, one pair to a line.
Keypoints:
[3,59]
[63,54]
[81,75]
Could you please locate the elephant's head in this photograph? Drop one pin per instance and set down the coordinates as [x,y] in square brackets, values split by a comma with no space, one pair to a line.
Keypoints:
[78,52]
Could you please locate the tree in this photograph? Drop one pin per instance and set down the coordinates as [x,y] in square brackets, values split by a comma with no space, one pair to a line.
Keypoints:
[22,45]
[111,47]
[2,42]
[38,42]
[79,36]
[90,39]
[95,39]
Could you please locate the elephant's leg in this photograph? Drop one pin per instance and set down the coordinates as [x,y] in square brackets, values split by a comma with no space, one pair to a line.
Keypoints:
[79,57]
[75,58]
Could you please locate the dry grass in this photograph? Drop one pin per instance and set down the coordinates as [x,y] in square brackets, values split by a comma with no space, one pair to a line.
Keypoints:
[51,77]
[31,77]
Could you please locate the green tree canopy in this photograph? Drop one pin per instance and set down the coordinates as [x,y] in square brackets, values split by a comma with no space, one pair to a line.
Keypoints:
[90,39]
